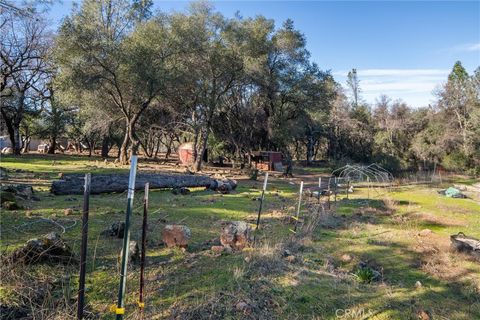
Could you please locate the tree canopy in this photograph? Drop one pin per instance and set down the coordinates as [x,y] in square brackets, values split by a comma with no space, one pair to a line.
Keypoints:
[116,74]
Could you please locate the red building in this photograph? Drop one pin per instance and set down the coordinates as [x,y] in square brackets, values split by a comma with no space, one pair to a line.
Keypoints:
[267,160]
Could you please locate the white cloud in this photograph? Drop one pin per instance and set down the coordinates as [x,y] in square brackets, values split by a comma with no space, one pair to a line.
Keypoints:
[414,86]
[468,47]
[395,72]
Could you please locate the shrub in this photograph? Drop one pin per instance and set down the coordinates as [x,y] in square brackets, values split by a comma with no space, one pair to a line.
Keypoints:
[365,275]
[456,161]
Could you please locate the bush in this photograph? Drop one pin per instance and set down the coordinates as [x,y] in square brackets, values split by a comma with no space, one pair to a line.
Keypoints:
[390,163]
[456,161]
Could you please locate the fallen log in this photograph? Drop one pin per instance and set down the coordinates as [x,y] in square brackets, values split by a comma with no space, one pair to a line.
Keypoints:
[463,243]
[106,183]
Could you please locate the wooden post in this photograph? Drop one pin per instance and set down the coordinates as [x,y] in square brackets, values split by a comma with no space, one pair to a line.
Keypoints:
[120,309]
[297,216]
[141,303]
[83,250]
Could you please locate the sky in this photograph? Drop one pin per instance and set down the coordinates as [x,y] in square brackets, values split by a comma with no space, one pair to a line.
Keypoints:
[404,49]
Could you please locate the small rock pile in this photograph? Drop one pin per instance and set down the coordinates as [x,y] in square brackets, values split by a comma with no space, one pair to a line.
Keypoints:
[49,248]
[10,193]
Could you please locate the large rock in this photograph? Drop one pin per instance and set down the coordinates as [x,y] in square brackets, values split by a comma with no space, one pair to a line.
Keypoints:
[133,252]
[6,196]
[116,229]
[10,205]
[236,235]
[49,248]
[175,235]
[3,174]
[19,190]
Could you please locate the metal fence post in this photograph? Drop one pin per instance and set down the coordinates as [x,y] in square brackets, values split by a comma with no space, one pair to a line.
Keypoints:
[83,250]
[141,303]
[335,190]
[261,205]
[120,309]
[299,205]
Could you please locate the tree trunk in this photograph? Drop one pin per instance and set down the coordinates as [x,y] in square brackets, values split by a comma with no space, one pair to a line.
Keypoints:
[53,145]
[105,146]
[310,150]
[26,144]
[169,149]
[134,141]
[157,148]
[124,147]
[201,154]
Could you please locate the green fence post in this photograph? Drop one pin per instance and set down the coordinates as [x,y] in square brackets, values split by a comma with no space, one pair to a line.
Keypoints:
[120,309]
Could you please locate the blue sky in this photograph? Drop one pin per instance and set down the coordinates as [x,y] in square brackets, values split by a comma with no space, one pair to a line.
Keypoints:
[403,49]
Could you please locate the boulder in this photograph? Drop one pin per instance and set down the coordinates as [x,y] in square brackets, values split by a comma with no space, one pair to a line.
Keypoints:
[423,315]
[176,235]
[3,174]
[236,235]
[218,249]
[291,258]
[133,252]
[116,229]
[10,205]
[19,190]
[7,196]
[49,248]
[243,307]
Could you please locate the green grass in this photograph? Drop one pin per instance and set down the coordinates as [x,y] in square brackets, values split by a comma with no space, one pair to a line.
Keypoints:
[197,284]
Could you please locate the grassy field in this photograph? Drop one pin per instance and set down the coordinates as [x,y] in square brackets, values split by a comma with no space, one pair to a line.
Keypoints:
[417,274]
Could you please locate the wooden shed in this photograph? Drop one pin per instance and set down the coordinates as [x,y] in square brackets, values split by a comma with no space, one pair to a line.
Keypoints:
[267,160]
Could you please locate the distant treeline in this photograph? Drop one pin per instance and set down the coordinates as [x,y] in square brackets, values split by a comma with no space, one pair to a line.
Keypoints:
[116,74]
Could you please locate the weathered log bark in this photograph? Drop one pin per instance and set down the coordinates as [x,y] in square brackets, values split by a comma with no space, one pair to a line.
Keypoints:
[463,243]
[105,183]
